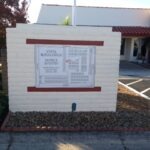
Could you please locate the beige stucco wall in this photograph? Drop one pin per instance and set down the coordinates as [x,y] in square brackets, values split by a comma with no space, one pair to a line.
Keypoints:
[95,16]
[22,73]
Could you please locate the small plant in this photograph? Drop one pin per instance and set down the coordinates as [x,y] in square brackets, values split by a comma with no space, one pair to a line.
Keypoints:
[67,21]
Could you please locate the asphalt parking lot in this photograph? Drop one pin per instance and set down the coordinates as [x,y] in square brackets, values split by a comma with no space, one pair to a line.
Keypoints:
[141,85]
[135,77]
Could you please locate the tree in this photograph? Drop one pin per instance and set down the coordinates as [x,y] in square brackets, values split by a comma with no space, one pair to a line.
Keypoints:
[11,12]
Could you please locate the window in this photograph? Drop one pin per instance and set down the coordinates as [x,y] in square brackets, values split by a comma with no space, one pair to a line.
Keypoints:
[122,50]
[135,50]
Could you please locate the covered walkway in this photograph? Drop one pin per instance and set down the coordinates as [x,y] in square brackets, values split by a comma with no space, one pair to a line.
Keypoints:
[128,69]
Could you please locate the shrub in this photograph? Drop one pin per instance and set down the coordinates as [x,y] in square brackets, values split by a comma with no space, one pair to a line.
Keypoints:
[0,81]
[3,106]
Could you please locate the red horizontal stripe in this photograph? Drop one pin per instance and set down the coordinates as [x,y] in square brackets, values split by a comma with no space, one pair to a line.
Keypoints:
[64,42]
[34,89]
[133,31]
[135,34]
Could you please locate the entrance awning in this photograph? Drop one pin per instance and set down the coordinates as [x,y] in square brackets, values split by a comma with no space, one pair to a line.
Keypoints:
[132,31]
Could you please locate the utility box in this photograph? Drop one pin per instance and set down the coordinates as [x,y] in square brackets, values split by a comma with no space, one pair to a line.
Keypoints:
[52,67]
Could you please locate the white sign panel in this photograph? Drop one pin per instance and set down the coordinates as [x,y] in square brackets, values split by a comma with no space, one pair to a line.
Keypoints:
[65,66]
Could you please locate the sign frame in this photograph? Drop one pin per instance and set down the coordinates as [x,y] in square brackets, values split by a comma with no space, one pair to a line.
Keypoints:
[37,66]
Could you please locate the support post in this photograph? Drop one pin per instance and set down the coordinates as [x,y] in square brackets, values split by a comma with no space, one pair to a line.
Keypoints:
[74,13]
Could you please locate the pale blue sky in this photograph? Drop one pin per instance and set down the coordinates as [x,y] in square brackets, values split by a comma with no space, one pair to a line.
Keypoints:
[36,5]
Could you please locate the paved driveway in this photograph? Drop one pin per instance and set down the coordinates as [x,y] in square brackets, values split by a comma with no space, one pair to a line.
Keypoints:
[135,77]
[133,70]
[75,141]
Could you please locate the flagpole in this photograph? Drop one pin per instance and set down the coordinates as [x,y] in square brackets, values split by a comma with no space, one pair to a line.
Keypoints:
[74,13]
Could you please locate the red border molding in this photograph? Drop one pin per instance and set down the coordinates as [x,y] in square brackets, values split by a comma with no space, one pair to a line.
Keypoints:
[64,42]
[34,89]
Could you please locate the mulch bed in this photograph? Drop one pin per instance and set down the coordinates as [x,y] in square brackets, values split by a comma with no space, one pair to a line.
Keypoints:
[132,112]
[79,120]
[130,101]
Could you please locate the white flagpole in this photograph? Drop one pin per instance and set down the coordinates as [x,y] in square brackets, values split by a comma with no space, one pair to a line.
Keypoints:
[74,13]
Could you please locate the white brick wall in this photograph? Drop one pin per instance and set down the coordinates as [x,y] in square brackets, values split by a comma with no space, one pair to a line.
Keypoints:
[21,69]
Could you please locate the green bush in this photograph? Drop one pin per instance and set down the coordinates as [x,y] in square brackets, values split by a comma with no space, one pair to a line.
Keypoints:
[0,81]
[3,106]
[67,21]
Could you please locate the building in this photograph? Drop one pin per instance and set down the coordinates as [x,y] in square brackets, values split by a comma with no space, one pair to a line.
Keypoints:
[133,23]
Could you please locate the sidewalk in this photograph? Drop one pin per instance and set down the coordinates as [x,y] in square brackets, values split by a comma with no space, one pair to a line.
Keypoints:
[75,141]
[133,70]
[145,65]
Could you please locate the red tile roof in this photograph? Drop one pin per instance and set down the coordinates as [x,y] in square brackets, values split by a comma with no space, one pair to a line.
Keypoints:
[132,31]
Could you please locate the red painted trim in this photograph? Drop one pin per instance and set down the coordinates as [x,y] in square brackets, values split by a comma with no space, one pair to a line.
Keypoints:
[132,31]
[136,34]
[64,42]
[34,89]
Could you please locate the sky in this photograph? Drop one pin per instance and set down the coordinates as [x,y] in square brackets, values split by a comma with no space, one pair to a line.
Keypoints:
[35,5]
